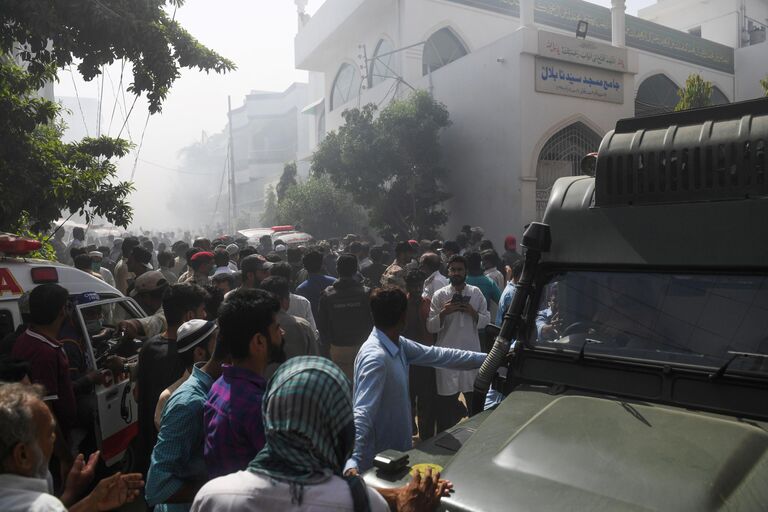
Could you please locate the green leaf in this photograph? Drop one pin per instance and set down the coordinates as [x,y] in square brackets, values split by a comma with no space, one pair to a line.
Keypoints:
[390,163]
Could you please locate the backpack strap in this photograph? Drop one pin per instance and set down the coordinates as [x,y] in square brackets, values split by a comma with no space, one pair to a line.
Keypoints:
[359,493]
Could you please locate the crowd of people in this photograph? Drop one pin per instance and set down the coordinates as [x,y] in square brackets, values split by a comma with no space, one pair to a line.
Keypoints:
[269,375]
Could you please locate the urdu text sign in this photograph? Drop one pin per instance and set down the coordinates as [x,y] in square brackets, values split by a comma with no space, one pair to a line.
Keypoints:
[576,80]
[581,51]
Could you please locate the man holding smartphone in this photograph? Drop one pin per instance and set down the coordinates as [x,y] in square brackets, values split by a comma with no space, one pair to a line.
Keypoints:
[456,314]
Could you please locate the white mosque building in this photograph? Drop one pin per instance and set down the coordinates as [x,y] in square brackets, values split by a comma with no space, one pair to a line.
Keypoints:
[526,96]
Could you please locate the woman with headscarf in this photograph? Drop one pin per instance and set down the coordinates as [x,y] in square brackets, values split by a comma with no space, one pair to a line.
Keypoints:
[310,434]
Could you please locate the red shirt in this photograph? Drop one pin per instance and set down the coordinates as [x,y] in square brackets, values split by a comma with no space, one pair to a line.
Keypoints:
[49,366]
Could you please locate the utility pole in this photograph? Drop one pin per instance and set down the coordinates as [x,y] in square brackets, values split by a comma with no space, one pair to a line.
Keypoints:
[232,223]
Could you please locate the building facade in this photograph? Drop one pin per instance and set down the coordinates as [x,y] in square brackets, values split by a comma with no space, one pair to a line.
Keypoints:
[268,131]
[527,97]
[735,23]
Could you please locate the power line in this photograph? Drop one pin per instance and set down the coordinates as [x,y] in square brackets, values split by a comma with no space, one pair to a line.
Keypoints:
[115,95]
[79,106]
[125,122]
[124,108]
[141,143]
[101,101]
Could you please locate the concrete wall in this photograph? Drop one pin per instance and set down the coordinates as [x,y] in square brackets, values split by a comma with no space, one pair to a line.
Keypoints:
[751,67]
[720,20]
[404,24]
[500,124]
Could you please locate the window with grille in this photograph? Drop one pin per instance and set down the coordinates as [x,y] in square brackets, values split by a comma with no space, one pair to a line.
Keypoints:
[561,156]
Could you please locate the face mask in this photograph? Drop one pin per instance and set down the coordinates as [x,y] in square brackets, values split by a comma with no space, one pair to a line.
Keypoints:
[456,280]
[93,326]
[96,266]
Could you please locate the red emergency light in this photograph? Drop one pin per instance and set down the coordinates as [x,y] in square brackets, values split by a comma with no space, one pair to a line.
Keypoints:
[17,246]
[280,229]
[41,275]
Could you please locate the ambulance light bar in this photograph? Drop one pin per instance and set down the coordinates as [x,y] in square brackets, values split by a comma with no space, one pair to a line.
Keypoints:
[11,245]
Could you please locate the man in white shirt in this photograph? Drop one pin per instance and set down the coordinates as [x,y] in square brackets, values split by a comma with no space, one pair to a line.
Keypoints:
[430,263]
[456,314]
[27,435]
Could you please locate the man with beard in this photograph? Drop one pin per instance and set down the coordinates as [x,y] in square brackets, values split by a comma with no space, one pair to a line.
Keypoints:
[381,396]
[457,313]
[27,435]
[234,429]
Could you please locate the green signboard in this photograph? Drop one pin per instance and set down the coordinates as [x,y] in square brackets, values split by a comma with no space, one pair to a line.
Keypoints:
[641,34]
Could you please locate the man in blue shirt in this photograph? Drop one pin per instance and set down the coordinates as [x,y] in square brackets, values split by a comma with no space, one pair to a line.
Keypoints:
[509,292]
[316,281]
[381,396]
[494,398]
[178,469]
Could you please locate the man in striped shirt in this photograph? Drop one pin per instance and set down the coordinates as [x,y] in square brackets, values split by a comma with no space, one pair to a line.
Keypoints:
[178,468]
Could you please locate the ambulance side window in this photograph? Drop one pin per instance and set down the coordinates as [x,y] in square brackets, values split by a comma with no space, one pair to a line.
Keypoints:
[6,323]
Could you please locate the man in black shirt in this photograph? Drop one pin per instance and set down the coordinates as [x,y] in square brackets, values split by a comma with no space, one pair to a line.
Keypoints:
[344,315]
[159,365]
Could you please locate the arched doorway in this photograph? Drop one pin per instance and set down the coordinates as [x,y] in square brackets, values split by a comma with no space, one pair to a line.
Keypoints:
[656,95]
[560,157]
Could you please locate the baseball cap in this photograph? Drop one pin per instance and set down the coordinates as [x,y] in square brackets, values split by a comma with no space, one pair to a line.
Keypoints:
[223,270]
[254,262]
[193,333]
[96,254]
[149,282]
[201,255]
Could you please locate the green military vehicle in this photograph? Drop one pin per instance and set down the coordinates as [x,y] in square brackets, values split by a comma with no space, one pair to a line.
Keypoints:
[639,378]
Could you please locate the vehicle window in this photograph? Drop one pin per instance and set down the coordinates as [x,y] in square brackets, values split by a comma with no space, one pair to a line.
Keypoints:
[101,323]
[686,318]
[6,323]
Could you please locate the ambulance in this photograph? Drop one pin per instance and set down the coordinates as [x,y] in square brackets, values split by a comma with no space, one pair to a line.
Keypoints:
[115,415]
[280,234]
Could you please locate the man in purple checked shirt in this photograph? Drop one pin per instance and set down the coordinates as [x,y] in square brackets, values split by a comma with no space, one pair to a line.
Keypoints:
[232,413]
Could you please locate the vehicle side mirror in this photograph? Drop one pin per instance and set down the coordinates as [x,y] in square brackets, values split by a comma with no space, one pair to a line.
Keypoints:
[589,164]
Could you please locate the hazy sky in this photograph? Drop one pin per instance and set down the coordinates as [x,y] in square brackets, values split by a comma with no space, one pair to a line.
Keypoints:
[258,36]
